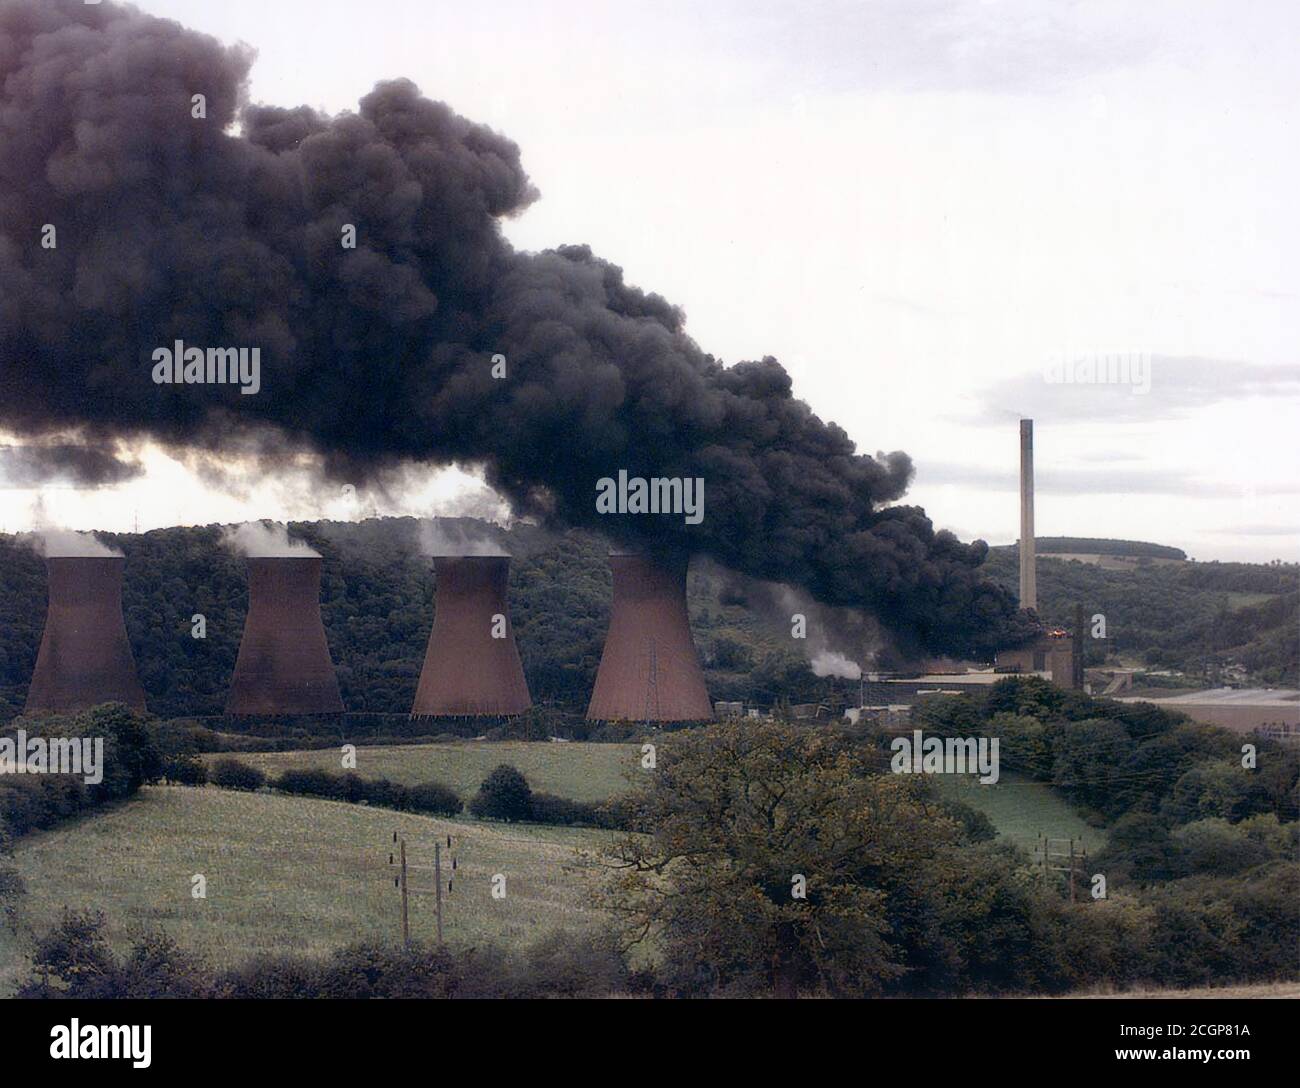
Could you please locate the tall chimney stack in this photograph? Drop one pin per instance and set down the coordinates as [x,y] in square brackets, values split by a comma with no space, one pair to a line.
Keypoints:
[469,670]
[85,658]
[284,664]
[649,670]
[1028,580]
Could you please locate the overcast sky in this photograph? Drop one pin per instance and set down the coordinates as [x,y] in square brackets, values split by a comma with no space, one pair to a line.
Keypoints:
[918,206]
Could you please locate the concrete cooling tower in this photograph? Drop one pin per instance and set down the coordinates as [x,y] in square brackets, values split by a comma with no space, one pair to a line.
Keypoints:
[649,671]
[284,664]
[85,658]
[467,672]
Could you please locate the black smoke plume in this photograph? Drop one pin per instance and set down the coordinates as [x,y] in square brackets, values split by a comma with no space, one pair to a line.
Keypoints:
[225,232]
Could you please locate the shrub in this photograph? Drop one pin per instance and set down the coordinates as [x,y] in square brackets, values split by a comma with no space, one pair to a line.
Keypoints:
[129,759]
[546,808]
[232,774]
[504,795]
[312,783]
[386,794]
[271,977]
[569,964]
[434,797]
[185,771]
[351,787]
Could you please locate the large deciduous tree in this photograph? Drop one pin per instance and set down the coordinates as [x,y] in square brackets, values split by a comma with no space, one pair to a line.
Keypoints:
[736,821]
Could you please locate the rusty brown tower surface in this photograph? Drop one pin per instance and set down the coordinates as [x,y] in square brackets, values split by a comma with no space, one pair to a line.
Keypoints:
[284,664]
[649,670]
[466,671]
[85,658]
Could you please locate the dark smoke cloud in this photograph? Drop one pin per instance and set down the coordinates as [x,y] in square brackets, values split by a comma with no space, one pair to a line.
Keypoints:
[30,466]
[175,228]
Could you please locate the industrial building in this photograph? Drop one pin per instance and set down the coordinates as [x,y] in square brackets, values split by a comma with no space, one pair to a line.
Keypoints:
[1273,712]
[284,664]
[649,669]
[1055,655]
[471,665]
[84,658]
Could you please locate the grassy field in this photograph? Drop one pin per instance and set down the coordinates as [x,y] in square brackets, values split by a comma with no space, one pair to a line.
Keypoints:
[580,772]
[1021,808]
[292,874]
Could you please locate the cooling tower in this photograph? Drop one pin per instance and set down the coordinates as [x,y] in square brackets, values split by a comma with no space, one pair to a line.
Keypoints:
[85,658]
[649,671]
[468,672]
[284,664]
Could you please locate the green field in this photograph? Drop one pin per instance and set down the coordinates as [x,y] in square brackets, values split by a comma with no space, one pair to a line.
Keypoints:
[1021,808]
[580,772]
[293,874]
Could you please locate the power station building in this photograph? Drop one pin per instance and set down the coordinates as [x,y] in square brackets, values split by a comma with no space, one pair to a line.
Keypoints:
[284,664]
[84,658]
[649,670]
[471,665]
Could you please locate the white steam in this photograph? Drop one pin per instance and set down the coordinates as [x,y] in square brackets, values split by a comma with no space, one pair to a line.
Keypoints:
[830,663]
[440,538]
[66,543]
[265,540]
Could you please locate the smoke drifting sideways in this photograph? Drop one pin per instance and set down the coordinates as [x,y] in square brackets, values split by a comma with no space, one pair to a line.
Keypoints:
[34,466]
[226,231]
[265,540]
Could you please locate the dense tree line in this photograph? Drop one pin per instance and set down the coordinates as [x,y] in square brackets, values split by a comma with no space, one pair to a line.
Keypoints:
[1086,545]
[1180,799]
[1184,616]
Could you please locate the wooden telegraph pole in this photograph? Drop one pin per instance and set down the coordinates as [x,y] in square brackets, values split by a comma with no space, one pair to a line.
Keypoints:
[1051,852]
[399,882]
[406,912]
[437,883]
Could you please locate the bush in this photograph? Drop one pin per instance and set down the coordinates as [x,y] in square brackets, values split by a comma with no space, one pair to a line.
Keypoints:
[311,783]
[546,808]
[578,965]
[41,801]
[271,977]
[231,774]
[504,795]
[385,794]
[434,797]
[351,787]
[185,771]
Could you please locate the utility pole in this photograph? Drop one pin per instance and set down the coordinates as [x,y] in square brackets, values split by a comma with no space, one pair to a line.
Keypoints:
[406,914]
[399,882]
[437,883]
[398,858]
[1064,851]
